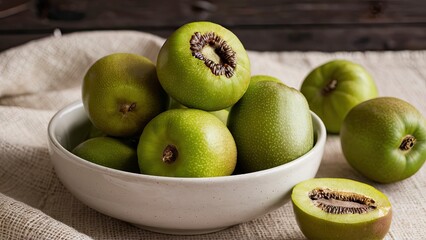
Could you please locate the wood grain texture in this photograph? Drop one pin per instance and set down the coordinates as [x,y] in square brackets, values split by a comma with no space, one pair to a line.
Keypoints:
[273,25]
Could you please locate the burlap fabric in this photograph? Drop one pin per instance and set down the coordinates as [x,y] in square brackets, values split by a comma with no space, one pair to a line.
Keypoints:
[40,77]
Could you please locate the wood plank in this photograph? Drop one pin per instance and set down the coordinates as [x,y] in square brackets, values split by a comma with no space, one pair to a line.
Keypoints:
[324,25]
[86,15]
[304,38]
[330,39]
[12,40]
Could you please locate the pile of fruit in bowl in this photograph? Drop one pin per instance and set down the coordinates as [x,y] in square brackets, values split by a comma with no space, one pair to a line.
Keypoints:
[195,143]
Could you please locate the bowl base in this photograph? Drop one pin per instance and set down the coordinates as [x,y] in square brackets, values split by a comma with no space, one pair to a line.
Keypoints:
[180,231]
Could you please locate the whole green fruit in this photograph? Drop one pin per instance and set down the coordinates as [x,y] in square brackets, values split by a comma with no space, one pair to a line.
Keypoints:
[271,125]
[109,152]
[186,143]
[336,208]
[334,88]
[384,139]
[204,65]
[121,93]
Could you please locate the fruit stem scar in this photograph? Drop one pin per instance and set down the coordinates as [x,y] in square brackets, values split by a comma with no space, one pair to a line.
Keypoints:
[228,57]
[329,87]
[407,143]
[170,154]
[126,107]
[337,202]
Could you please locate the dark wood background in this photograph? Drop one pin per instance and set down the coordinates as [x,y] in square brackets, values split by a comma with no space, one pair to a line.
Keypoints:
[272,25]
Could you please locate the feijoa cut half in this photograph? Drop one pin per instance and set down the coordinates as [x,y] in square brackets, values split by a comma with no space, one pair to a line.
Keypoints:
[203,65]
[337,208]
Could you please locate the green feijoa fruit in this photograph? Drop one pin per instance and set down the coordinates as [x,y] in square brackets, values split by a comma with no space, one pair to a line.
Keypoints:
[335,87]
[121,93]
[109,152]
[335,208]
[384,139]
[271,125]
[186,143]
[204,65]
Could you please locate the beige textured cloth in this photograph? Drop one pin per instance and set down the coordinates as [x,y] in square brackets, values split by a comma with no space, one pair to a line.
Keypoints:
[38,78]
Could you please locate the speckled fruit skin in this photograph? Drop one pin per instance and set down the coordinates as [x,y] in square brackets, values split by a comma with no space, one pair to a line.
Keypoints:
[205,146]
[122,78]
[271,125]
[189,81]
[319,225]
[259,78]
[353,86]
[372,133]
[221,114]
[109,152]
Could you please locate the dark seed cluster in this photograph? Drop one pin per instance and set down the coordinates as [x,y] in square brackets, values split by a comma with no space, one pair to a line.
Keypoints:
[228,57]
[337,202]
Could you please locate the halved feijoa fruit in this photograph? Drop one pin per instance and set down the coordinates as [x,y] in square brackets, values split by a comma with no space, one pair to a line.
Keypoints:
[204,65]
[336,208]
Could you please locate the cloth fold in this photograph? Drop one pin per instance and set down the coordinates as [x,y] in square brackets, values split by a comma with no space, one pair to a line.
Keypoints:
[42,76]
[20,221]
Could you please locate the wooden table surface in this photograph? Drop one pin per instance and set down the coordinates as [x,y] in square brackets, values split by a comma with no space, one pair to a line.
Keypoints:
[268,25]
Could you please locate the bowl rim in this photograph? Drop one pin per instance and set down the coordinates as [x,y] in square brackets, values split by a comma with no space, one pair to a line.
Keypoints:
[320,140]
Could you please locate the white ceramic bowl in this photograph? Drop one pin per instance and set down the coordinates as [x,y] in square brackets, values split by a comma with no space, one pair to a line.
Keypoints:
[173,205]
